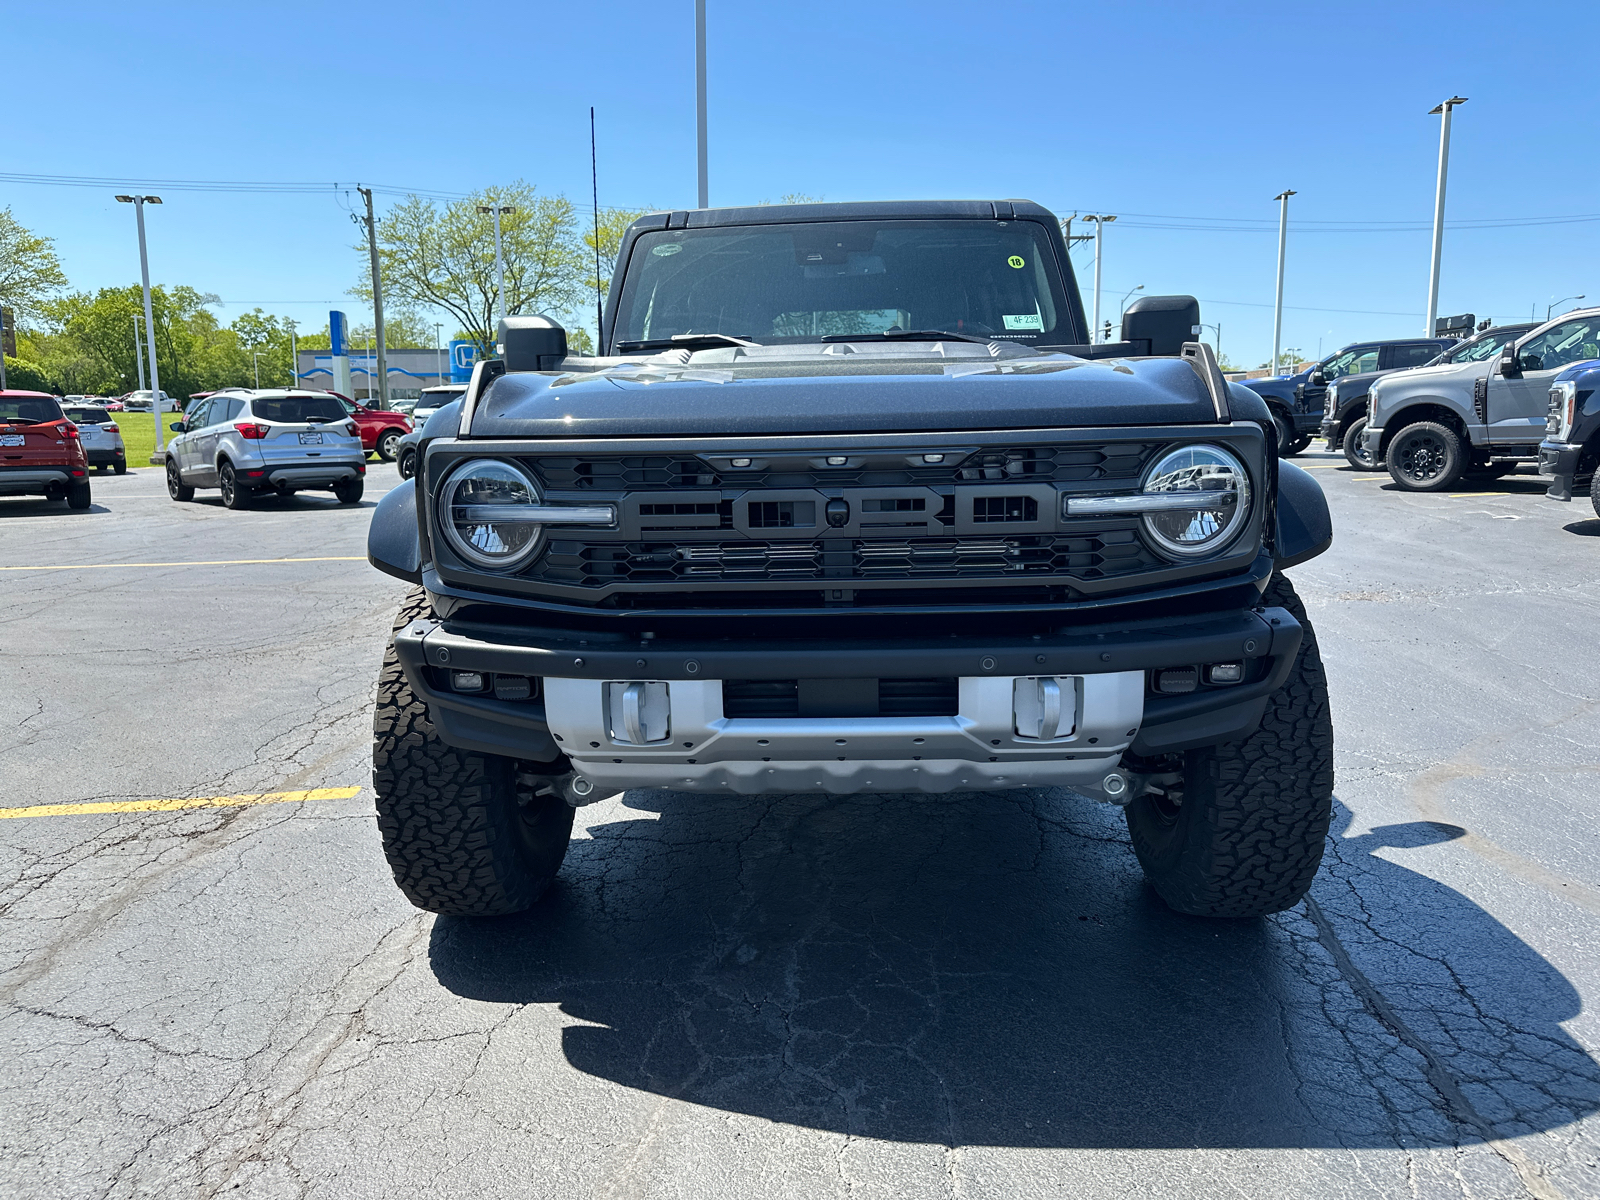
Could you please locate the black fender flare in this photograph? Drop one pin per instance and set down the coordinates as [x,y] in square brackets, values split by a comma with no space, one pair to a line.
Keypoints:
[393,541]
[1304,525]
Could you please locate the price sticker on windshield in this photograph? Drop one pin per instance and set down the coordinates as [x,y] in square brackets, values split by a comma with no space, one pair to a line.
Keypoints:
[1016,261]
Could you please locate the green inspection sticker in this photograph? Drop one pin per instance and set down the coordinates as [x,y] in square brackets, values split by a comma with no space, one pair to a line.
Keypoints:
[669,248]
[1023,321]
[1016,261]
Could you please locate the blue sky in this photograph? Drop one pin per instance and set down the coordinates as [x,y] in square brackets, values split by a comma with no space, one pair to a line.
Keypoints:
[1183,119]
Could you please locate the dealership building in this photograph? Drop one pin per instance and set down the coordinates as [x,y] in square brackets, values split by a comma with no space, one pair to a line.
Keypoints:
[353,371]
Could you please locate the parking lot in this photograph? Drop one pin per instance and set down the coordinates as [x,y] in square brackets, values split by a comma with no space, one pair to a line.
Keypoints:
[212,986]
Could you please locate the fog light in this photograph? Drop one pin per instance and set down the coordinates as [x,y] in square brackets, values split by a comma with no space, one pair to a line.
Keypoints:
[933,458]
[1225,672]
[512,687]
[739,462]
[1175,681]
[466,681]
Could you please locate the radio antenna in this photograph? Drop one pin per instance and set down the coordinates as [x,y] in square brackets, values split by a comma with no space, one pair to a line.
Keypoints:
[599,295]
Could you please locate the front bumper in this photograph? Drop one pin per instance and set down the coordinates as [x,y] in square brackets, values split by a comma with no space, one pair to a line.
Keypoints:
[1101,672]
[1559,460]
[1372,442]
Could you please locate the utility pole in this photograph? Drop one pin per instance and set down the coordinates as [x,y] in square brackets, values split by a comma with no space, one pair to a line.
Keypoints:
[377,304]
[438,349]
[255,364]
[499,256]
[138,350]
[294,357]
[1283,241]
[700,96]
[1100,223]
[4,313]
[1442,110]
[138,202]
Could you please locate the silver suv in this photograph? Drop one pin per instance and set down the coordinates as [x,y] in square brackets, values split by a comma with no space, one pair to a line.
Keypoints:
[100,434]
[246,442]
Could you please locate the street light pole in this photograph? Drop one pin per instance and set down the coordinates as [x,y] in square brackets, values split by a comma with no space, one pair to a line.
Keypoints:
[1550,308]
[160,453]
[700,97]
[1442,110]
[294,357]
[1283,241]
[438,348]
[1122,308]
[1100,223]
[255,364]
[499,256]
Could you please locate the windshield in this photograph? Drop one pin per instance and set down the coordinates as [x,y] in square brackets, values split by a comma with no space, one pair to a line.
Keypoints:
[29,411]
[803,282]
[1485,346]
[295,409]
[1350,362]
[87,416]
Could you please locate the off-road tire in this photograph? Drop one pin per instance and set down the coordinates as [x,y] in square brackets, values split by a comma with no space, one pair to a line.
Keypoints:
[459,837]
[176,487]
[1594,492]
[1354,453]
[408,462]
[1301,444]
[1248,835]
[389,444]
[1426,457]
[78,495]
[234,495]
[349,493]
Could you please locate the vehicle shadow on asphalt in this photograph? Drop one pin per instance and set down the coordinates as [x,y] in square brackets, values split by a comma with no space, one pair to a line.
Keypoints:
[1589,528]
[990,969]
[47,508]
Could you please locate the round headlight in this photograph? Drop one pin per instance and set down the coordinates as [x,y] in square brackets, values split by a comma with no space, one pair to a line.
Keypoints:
[483,510]
[1211,504]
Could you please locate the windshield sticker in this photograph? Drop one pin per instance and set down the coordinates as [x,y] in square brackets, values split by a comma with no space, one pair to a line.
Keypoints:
[1023,321]
[1016,260]
[669,248]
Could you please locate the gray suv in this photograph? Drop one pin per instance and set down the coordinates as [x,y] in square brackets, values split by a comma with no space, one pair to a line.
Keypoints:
[247,442]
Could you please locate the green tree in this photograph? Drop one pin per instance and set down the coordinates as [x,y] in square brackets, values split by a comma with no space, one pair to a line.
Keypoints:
[433,258]
[26,376]
[30,273]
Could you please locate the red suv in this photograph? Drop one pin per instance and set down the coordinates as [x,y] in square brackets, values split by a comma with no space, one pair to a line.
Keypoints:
[40,451]
[381,430]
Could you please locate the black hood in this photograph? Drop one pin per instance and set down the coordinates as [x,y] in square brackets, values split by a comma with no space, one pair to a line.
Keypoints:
[841,388]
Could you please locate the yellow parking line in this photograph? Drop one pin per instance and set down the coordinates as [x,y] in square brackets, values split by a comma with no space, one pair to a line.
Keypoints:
[217,562]
[140,806]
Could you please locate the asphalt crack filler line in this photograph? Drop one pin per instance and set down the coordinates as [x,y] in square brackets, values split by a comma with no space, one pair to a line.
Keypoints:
[1456,1103]
[141,806]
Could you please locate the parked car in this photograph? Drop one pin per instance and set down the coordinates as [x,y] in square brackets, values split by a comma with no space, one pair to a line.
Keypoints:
[1296,401]
[897,532]
[381,428]
[248,442]
[100,434]
[1436,425]
[41,453]
[435,398]
[114,404]
[1570,452]
[140,402]
[1345,403]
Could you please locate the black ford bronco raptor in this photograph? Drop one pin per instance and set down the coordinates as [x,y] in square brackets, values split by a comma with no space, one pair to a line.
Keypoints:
[846,504]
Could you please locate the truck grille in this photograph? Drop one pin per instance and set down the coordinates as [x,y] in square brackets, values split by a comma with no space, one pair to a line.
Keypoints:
[839,561]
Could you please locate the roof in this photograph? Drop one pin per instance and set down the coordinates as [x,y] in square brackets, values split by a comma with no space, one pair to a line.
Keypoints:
[863,210]
[18,392]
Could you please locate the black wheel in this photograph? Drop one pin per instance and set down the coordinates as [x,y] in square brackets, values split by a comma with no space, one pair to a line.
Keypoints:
[349,493]
[1242,834]
[408,462]
[176,487]
[122,468]
[462,836]
[78,495]
[233,494]
[1594,492]
[389,444]
[1355,453]
[100,469]
[1300,444]
[1285,433]
[1426,457]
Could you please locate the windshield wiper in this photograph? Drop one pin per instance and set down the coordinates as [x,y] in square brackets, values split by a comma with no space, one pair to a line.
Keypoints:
[906,335]
[686,341]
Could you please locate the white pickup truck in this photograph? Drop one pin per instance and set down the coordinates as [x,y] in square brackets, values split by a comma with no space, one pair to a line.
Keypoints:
[1433,425]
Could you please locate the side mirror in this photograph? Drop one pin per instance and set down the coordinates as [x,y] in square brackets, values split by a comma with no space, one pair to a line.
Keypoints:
[531,343]
[1317,377]
[1510,368]
[178,427]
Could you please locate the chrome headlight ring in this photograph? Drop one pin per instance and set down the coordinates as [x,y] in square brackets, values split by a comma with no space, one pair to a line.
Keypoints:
[493,516]
[1209,490]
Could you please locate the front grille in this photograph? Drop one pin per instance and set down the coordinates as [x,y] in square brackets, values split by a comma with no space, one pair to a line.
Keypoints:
[1033,464]
[780,698]
[1100,555]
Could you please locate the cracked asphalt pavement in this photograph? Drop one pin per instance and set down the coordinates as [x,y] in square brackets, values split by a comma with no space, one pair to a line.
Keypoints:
[898,996]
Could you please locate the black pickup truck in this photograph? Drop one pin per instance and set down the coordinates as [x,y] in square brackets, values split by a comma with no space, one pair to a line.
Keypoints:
[847,505]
